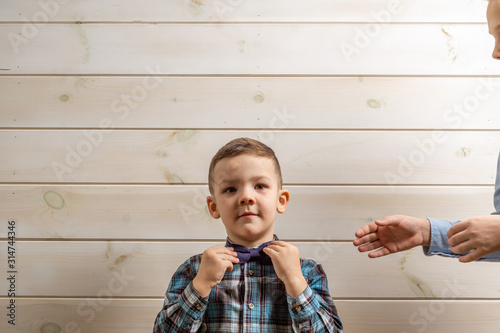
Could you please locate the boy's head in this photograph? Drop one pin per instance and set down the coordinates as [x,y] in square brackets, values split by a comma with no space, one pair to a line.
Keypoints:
[493,16]
[245,187]
[243,146]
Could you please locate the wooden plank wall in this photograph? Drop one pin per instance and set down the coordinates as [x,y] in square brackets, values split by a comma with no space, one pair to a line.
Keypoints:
[110,113]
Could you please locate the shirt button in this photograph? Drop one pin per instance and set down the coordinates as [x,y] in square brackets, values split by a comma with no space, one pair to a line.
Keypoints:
[251,272]
[297,308]
[198,306]
[250,306]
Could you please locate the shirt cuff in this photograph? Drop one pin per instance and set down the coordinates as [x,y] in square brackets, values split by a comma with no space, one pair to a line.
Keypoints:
[193,303]
[304,305]
[439,239]
[439,242]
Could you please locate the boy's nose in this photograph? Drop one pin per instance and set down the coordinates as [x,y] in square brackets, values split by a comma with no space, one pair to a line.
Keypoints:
[247,198]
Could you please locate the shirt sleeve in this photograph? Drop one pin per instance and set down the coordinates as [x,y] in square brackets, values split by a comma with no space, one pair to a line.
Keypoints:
[439,242]
[314,310]
[496,198]
[439,229]
[184,307]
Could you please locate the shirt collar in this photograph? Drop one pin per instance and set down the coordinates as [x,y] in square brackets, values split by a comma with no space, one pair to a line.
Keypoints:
[230,243]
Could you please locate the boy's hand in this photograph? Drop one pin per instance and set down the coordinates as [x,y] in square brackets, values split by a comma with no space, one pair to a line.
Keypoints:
[286,262]
[392,234]
[479,234]
[214,263]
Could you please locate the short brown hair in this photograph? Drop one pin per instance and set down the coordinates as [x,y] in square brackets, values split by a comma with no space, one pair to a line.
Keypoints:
[243,146]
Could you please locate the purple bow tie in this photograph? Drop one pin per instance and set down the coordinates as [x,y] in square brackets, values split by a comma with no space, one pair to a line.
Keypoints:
[245,254]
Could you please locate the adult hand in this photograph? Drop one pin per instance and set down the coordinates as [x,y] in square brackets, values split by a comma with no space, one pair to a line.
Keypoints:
[481,235]
[392,234]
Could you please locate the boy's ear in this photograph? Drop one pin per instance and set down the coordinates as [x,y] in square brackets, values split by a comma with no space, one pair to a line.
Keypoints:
[283,201]
[212,207]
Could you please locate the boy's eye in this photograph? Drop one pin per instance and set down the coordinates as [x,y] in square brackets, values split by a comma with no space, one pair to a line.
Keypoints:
[230,190]
[260,186]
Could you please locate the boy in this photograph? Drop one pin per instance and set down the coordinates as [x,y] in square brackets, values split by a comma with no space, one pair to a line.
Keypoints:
[255,283]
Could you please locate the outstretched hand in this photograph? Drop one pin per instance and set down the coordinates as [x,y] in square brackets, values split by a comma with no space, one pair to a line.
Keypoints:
[392,234]
[480,235]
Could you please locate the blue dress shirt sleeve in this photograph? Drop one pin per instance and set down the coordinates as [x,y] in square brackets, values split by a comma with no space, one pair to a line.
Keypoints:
[439,242]
[497,189]
[439,239]
[439,229]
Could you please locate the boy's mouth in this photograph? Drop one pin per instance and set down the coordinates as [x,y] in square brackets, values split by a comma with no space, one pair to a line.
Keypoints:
[248,214]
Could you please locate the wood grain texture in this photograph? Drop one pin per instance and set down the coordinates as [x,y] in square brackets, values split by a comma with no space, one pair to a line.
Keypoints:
[307,157]
[143,269]
[106,315]
[178,212]
[267,102]
[248,49]
[111,112]
[244,11]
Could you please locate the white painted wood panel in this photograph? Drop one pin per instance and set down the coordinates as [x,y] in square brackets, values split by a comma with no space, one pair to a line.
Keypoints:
[144,269]
[348,104]
[267,102]
[455,316]
[179,212]
[319,157]
[248,49]
[358,316]
[92,315]
[244,11]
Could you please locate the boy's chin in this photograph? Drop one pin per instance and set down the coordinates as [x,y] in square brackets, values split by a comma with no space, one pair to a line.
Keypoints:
[255,237]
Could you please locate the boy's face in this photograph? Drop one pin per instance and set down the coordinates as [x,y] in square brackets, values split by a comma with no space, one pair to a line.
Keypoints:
[246,197]
[493,16]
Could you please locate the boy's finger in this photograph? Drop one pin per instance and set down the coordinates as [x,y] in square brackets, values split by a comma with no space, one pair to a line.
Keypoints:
[234,260]
[270,248]
[230,267]
[272,251]
[227,250]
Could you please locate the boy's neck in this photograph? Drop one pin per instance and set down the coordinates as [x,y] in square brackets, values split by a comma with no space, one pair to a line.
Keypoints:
[250,244]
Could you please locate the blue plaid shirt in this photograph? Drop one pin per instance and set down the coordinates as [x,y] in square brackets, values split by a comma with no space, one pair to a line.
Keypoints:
[250,298]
